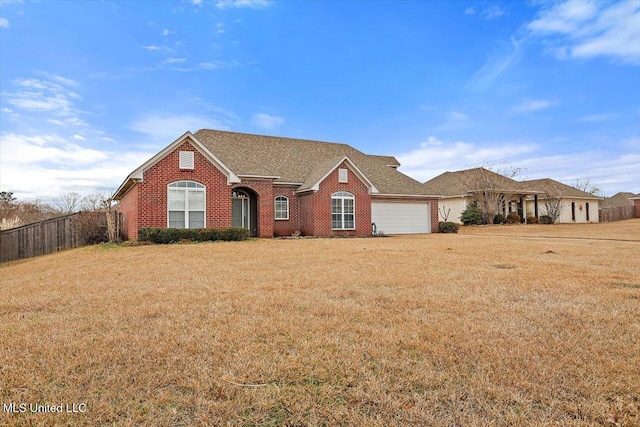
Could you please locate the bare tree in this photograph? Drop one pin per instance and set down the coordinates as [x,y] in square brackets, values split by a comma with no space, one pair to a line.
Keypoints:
[93,202]
[491,189]
[68,202]
[444,214]
[14,213]
[552,201]
[586,186]
[109,209]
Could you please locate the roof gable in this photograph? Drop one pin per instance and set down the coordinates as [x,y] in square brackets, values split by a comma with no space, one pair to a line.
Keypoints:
[464,182]
[138,173]
[618,200]
[324,169]
[563,190]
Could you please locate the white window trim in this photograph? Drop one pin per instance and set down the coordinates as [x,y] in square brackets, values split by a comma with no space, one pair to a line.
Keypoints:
[187,160]
[340,195]
[186,201]
[274,208]
[343,175]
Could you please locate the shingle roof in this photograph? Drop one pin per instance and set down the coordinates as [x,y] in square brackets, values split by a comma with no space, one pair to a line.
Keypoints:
[618,200]
[565,190]
[296,160]
[460,183]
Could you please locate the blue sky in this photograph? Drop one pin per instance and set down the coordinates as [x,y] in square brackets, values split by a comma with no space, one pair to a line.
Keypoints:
[92,89]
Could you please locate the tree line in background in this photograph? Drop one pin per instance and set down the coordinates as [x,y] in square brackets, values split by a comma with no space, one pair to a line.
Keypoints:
[15,213]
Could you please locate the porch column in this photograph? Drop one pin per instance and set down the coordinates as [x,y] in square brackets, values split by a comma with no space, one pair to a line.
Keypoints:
[524,208]
[535,205]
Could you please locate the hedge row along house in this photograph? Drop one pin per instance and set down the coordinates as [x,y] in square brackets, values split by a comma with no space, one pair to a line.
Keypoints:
[273,186]
[533,198]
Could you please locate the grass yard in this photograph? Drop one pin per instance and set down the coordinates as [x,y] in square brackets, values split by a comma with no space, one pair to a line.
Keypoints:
[504,325]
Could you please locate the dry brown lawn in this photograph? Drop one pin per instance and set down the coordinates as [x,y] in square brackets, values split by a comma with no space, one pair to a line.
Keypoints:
[521,325]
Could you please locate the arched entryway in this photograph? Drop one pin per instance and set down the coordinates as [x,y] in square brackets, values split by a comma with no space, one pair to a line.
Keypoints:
[244,209]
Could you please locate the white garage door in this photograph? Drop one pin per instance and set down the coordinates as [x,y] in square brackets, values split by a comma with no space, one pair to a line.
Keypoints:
[401,218]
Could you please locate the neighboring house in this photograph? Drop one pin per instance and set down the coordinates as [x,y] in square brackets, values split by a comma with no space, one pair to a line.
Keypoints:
[273,186]
[460,188]
[618,200]
[636,204]
[575,205]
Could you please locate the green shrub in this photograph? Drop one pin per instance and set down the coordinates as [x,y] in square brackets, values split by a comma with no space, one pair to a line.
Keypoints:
[513,218]
[546,219]
[448,227]
[169,235]
[149,234]
[532,220]
[472,215]
[174,235]
[499,219]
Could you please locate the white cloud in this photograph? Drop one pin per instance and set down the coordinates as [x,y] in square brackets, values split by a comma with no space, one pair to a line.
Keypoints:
[23,149]
[166,32]
[150,48]
[47,96]
[533,105]
[491,12]
[595,118]
[43,166]
[458,116]
[79,137]
[196,2]
[217,65]
[7,110]
[174,60]
[469,11]
[220,28]
[251,4]
[266,121]
[494,67]
[4,23]
[611,171]
[589,29]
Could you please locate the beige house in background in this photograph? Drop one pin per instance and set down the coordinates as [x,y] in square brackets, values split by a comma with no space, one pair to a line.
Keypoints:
[457,189]
[526,198]
[576,205]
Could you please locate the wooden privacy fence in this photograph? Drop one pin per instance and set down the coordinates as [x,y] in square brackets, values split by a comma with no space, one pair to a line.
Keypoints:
[616,214]
[55,234]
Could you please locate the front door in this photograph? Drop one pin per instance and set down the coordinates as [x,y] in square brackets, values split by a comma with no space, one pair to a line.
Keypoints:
[244,211]
[240,210]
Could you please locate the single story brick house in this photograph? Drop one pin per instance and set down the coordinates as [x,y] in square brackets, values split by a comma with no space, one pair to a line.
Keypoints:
[273,186]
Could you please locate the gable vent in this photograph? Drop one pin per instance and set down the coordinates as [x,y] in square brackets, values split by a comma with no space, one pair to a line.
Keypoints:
[342,175]
[186,160]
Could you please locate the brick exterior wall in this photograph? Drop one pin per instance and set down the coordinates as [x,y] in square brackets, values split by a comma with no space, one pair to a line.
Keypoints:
[128,206]
[152,191]
[286,227]
[316,208]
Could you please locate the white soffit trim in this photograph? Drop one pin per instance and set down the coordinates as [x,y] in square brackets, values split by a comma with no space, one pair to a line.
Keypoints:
[420,196]
[356,170]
